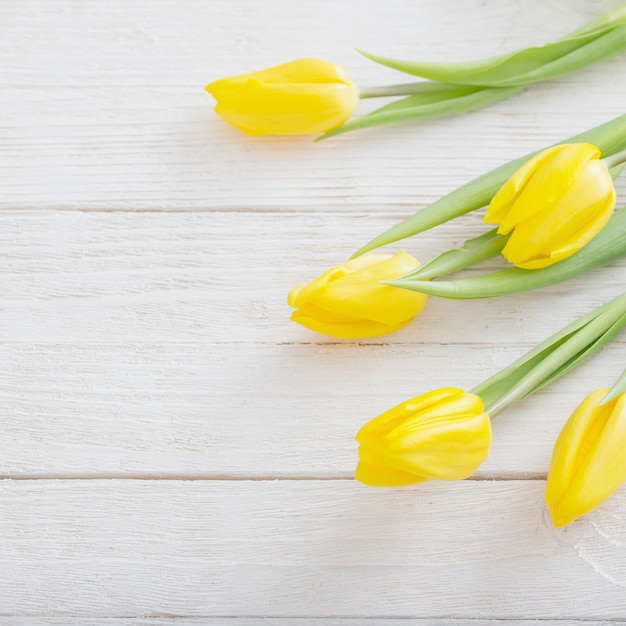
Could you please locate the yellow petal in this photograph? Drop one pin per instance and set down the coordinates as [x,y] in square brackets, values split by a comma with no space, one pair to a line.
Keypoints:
[307,292]
[567,226]
[265,108]
[360,293]
[300,97]
[341,327]
[385,422]
[301,71]
[451,449]
[568,445]
[349,301]
[443,434]
[455,407]
[602,470]
[588,460]
[549,183]
[381,476]
[504,198]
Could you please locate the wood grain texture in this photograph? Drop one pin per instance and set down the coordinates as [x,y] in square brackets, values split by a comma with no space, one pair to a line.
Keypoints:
[299,549]
[146,250]
[104,108]
[140,278]
[132,345]
[291,621]
[198,411]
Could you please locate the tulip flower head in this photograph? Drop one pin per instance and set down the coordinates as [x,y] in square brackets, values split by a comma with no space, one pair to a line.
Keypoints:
[297,98]
[589,459]
[311,95]
[349,302]
[441,435]
[553,205]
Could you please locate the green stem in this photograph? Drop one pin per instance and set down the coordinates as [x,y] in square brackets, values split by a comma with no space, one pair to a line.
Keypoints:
[618,388]
[607,246]
[609,137]
[404,89]
[553,357]
[459,99]
[614,160]
[474,251]
[614,17]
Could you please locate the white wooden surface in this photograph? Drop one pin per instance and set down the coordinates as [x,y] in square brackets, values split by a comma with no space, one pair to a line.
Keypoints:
[175,451]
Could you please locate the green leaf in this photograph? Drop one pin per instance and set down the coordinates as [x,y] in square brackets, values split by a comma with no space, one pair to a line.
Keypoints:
[451,92]
[554,357]
[474,251]
[501,383]
[609,244]
[406,89]
[581,356]
[607,45]
[617,389]
[615,17]
[527,64]
[427,106]
[609,137]
[485,71]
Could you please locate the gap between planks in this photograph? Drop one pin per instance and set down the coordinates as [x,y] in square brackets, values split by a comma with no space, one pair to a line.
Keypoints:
[168,619]
[348,210]
[239,478]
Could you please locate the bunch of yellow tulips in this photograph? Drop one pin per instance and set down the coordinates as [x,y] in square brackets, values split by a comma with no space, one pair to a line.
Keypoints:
[554,217]
[311,96]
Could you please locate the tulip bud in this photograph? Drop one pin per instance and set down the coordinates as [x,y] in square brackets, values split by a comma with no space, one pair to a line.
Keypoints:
[297,98]
[441,435]
[349,302]
[588,463]
[554,205]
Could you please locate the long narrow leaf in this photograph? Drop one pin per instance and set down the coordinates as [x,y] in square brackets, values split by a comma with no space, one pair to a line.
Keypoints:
[501,383]
[609,137]
[600,48]
[473,251]
[508,68]
[616,17]
[593,347]
[406,89]
[485,71]
[607,246]
[554,356]
[617,389]
[413,101]
[421,107]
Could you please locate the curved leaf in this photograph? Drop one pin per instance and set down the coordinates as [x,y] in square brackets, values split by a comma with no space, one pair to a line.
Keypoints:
[609,137]
[427,106]
[608,245]
[486,71]
[596,40]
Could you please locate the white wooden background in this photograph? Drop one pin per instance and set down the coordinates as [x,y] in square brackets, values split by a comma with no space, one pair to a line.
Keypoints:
[173,449]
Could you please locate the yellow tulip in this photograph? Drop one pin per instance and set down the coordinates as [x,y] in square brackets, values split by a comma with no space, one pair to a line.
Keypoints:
[349,302]
[555,204]
[297,98]
[441,435]
[589,459]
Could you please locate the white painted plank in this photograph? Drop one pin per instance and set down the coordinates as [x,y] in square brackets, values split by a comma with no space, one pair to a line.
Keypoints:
[241,411]
[140,278]
[132,344]
[103,103]
[290,621]
[282,549]
[145,344]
